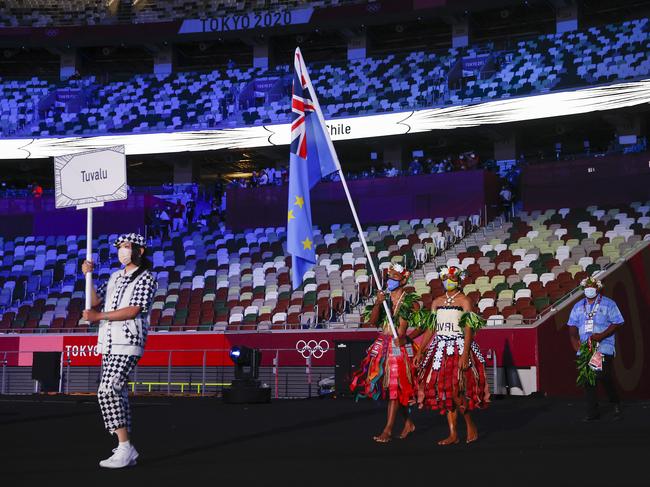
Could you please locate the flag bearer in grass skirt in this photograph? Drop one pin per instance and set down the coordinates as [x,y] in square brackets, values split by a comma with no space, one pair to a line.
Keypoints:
[387,372]
[451,368]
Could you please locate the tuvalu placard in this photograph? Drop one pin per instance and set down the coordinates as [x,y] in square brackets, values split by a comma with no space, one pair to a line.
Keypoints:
[90,178]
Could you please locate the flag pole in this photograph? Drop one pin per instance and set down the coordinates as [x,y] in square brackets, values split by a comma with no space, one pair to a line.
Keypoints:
[345,188]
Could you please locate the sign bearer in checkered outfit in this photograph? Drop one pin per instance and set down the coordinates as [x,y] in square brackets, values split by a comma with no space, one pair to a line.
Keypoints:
[125,303]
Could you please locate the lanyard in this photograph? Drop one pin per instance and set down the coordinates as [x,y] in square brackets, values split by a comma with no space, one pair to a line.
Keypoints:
[594,308]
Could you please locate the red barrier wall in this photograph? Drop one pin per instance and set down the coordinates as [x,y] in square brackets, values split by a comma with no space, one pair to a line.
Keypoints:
[629,286]
[519,345]
[27,216]
[380,200]
[612,180]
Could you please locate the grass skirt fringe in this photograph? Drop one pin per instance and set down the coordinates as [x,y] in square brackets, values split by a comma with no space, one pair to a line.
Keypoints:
[383,374]
[443,386]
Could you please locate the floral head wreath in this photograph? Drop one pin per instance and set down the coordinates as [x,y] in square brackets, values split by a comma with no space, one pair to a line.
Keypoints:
[591,281]
[454,273]
[395,267]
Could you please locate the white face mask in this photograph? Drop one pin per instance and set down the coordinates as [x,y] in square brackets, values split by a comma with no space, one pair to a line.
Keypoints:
[590,292]
[124,255]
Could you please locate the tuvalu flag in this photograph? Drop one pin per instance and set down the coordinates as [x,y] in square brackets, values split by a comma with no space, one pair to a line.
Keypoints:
[311,158]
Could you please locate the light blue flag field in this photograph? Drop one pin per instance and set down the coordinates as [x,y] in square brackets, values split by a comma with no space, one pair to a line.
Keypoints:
[311,158]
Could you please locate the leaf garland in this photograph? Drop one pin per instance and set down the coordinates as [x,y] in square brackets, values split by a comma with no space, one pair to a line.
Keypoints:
[586,375]
[405,310]
[424,319]
[471,319]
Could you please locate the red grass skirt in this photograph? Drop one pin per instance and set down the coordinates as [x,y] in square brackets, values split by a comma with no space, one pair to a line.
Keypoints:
[443,386]
[383,374]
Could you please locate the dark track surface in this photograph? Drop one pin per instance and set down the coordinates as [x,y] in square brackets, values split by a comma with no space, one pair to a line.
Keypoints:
[183,441]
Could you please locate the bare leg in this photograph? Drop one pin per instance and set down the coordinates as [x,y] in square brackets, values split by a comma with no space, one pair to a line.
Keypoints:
[409,425]
[384,437]
[421,396]
[122,435]
[472,430]
[453,435]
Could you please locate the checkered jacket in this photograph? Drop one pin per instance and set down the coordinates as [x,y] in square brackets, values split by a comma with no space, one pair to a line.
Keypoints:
[120,291]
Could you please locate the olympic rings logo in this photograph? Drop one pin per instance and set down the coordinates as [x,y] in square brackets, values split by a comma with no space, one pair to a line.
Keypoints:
[312,348]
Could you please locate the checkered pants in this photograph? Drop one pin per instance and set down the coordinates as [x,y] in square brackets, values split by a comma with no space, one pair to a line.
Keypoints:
[113,393]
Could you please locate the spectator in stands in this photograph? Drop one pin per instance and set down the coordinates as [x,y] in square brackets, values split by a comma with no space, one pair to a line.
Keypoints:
[415,167]
[151,221]
[428,164]
[593,323]
[37,190]
[522,159]
[189,211]
[254,181]
[263,178]
[392,172]
[462,163]
[204,218]
[178,211]
[165,222]
[269,175]
[506,199]
[223,108]
[473,161]
[126,300]
[216,215]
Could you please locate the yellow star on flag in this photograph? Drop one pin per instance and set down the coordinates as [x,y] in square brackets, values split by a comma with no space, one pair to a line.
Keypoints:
[291,217]
[300,201]
[306,244]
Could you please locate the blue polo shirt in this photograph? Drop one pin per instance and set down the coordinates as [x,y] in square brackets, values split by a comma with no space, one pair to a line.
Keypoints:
[606,315]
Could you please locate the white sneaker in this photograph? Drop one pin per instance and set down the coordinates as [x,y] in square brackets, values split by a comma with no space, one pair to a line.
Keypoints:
[122,457]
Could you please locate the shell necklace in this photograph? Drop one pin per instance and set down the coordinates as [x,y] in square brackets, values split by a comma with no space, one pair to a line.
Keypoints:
[450,299]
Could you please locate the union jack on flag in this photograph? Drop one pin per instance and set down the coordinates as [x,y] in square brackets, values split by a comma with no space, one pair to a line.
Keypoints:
[311,158]
[301,105]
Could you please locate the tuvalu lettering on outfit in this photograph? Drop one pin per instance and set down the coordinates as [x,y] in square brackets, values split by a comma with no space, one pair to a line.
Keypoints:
[448,322]
[87,177]
[443,327]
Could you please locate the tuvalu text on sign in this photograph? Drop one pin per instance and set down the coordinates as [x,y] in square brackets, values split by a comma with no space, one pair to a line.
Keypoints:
[94,176]
[90,178]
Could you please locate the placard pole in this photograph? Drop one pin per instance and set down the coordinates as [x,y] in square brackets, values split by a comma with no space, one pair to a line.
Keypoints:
[89,256]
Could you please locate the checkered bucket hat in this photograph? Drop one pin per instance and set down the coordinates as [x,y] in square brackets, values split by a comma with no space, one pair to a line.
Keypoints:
[134,238]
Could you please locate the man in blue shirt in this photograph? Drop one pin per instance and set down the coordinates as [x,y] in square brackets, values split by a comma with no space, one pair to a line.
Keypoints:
[597,318]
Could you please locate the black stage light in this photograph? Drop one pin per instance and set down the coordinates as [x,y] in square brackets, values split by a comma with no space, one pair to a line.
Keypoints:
[247,362]
[246,388]
[236,354]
